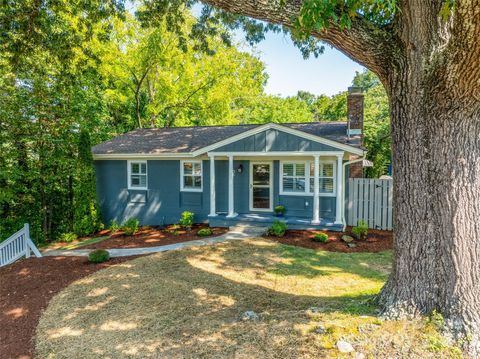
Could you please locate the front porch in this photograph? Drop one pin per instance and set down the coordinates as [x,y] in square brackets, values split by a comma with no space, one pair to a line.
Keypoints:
[293,222]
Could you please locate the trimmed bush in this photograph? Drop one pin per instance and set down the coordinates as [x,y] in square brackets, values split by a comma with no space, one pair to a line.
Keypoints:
[68,237]
[114,226]
[321,237]
[360,231]
[186,219]
[130,227]
[204,232]
[278,229]
[98,256]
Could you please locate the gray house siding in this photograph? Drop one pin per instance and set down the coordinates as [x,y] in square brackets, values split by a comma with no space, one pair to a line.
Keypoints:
[274,140]
[163,202]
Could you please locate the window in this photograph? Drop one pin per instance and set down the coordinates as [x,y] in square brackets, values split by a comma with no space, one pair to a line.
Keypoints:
[326,178]
[191,176]
[137,174]
[293,177]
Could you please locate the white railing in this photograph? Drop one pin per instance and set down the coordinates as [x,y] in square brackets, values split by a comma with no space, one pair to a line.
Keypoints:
[17,246]
[370,200]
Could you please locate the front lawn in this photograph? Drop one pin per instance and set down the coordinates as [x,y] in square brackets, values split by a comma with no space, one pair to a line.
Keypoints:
[188,304]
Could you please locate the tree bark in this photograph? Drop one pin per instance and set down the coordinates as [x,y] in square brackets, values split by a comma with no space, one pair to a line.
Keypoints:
[430,68]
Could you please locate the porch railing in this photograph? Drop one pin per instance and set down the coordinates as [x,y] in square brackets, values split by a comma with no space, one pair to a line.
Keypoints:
[17,246]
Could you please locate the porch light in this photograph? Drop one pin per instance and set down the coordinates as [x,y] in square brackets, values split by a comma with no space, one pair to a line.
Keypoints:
[240,169]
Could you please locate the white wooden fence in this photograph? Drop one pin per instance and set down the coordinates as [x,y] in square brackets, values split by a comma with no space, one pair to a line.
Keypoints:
[370,200]
[16,246]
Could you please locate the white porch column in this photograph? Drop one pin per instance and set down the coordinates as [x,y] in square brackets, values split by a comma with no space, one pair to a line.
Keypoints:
[338,216]
[231,207]
[213,211]
[316,191]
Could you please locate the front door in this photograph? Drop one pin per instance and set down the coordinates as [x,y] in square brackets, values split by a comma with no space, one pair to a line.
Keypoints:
[261,185]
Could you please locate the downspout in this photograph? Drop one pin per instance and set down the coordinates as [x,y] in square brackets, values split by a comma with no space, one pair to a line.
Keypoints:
[344,188]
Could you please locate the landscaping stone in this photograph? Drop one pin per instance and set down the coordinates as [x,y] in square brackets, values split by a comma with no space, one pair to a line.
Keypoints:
[359,356]
[320,329]
[314,310]
[351,245]
[344,347]
[347,239]
[250,315]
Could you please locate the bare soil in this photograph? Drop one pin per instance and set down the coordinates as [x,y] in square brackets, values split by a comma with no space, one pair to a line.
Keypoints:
[25,290]
[155,236]
[377,241]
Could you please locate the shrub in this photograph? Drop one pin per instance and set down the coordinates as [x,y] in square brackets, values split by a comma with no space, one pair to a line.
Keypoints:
[204,232]
[321,237]
[68,237]
[98,256]
[186,219]
[280,210]
[277,229]
[130,227]
[360,231]
[114,226]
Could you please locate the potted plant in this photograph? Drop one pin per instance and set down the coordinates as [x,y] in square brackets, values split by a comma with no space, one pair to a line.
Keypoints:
[279,211]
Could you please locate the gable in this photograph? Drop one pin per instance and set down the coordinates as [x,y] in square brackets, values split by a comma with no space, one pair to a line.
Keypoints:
[275,140]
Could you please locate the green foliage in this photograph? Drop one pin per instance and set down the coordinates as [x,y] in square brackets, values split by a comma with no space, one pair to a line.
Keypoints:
[280,210]
[320,237]
[186,219]
[114,226]
[98,256]
[204,232]
[130,226]
[277,229]
[360,231]
[68,237]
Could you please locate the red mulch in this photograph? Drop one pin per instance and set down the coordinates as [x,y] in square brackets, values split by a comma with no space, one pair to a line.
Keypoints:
[25,290]
[377,241]
[152,237]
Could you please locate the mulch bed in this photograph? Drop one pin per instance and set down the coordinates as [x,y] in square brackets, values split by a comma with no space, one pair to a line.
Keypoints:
[155,236]
[377,241]
[26,288]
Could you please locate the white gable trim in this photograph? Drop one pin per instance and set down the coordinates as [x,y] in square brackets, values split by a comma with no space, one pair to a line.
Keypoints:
[274,126]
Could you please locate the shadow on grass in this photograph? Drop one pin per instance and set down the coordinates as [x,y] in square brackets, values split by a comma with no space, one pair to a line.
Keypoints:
[175,305]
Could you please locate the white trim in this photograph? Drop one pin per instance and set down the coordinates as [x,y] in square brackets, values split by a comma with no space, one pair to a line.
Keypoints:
[277,154]
[285,129]
[250,186]
[333,162]
[231,189]
[182,188]
[306,191]
[213,210]
[129,174]
[316,185]
[339,186]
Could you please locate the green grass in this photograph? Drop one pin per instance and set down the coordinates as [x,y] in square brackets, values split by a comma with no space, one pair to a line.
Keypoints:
[187,304]
[85,242]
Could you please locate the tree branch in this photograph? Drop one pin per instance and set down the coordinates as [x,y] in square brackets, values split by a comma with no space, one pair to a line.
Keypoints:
[364,42]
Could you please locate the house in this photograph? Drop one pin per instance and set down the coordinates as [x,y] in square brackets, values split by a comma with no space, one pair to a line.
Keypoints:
[231,174]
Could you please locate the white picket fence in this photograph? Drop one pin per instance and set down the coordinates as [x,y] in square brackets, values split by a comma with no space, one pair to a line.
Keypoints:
[17,246]
[370,200]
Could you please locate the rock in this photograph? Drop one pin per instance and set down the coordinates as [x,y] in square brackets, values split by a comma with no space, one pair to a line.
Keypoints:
[347,239]
[359,356]
[320,330]
[351,245]
[314,310]
[344,347]
[250,315]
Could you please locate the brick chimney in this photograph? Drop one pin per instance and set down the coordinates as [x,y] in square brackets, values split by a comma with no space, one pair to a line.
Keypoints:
[355,104]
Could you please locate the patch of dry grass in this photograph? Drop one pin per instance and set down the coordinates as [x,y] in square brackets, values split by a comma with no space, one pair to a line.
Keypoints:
[187,304]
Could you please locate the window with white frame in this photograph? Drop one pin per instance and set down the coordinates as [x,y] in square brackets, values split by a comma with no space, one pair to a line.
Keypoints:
[191,176]
[294,177]
[137,174]
[326,178]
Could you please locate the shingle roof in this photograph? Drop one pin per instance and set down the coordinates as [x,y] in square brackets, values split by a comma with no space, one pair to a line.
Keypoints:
[189,139]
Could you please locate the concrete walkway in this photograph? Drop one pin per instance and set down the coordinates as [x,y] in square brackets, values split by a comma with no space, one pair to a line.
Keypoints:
[235,233]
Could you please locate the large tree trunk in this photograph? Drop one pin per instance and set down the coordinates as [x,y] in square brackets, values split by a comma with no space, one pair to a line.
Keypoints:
[436,160]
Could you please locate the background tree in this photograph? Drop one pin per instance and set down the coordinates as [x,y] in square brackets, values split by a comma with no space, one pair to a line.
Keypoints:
[426,55]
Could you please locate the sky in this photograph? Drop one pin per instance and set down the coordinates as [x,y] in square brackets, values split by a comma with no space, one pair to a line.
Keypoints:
[329,74]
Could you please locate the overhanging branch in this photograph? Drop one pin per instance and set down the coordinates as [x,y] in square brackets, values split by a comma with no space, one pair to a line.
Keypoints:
[364,42]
